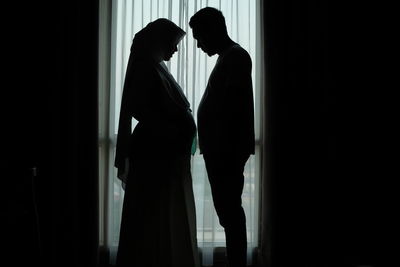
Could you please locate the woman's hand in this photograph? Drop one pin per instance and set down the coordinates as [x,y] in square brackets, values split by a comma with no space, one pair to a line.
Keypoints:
[123,174]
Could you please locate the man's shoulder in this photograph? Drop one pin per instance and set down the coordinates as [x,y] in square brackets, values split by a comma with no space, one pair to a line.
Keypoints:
[238,54]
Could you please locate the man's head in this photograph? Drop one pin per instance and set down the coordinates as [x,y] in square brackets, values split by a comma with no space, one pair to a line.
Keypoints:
[209,28]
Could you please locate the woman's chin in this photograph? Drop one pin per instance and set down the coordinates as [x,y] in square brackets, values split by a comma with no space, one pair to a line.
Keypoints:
[167,58]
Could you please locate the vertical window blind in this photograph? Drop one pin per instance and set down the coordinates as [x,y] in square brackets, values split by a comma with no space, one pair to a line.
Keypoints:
[191,67]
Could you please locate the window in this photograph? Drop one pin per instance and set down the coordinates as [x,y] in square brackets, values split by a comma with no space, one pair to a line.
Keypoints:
[119,21]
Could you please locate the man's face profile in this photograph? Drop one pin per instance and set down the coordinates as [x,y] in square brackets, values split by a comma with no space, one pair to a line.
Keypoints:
[203,42]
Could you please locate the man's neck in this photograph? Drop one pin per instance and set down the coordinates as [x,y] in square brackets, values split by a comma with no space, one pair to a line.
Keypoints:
[225,43]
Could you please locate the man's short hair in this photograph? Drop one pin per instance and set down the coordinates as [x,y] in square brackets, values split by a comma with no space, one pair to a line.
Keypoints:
[208,19]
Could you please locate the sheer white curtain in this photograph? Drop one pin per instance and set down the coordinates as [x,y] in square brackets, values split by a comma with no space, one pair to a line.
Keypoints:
[120,20]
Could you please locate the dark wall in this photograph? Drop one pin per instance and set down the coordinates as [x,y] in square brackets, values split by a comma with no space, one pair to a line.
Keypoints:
[51,115]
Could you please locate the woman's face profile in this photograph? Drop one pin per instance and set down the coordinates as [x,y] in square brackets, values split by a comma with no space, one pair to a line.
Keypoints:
[169,51]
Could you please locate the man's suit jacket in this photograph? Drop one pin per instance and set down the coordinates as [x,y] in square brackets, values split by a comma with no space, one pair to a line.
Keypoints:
[225,117]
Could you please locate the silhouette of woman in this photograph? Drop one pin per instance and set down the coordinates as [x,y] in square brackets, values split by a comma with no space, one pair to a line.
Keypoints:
[158,225]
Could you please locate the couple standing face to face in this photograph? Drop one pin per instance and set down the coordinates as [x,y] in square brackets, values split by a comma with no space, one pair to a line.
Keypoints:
[225,127]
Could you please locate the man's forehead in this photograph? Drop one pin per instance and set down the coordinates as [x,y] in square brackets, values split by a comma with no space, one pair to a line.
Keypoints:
[197,33]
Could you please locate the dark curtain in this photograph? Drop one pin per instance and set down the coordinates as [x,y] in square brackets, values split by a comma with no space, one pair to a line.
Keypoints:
[322,189]
[50,113]
[300,134]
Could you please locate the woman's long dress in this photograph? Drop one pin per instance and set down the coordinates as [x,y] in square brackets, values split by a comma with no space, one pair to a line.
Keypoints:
[158,227]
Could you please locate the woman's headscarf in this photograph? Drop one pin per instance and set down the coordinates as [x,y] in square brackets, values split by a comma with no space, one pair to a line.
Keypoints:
[157,34]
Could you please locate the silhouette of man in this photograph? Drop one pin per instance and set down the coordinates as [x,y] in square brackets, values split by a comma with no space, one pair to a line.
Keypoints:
[225,119]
